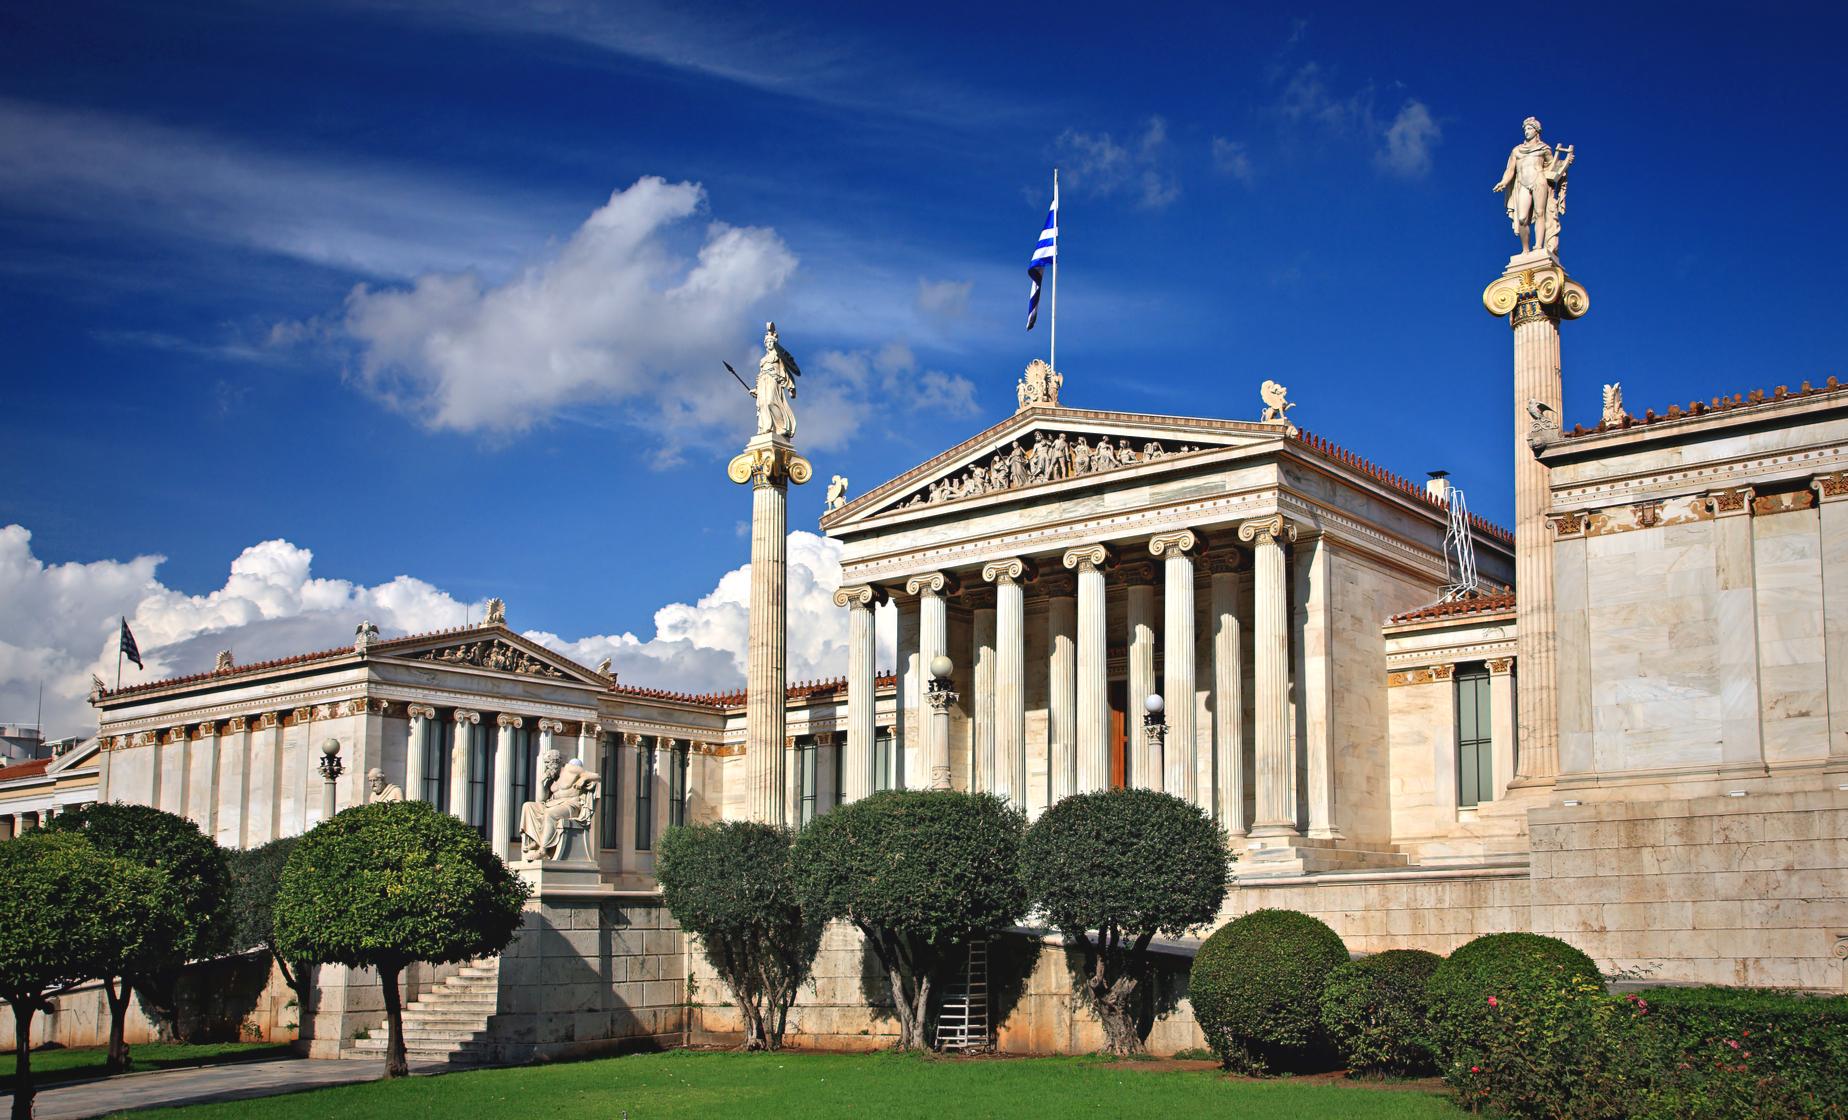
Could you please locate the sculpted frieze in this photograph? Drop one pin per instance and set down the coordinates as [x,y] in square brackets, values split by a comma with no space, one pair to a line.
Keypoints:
[493,653]
[1049,457]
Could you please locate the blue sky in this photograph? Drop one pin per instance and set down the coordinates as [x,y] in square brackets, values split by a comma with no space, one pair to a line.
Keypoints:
[352,276]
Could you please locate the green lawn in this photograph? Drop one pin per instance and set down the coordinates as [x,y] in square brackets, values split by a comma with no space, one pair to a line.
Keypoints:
[713,1086]
[52,1066]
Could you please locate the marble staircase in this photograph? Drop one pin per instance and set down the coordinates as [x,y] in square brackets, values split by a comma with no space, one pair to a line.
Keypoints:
[448,1023]
[1306,856]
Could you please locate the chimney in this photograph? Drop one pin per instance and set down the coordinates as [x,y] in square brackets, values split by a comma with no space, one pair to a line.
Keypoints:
[1438,486]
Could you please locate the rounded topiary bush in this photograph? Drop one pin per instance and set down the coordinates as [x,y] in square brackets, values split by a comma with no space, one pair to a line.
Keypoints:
[1466,990]
[1373,1010]
[1256,988]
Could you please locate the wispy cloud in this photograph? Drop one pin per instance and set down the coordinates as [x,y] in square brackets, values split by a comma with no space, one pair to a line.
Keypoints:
[1309,103]
[948,298]
[1095,163]
[1233,158]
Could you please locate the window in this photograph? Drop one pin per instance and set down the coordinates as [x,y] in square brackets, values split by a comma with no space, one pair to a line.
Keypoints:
[679,765]
[805,780]
[609,808]
[1475,769]
[887,774]
[525,774]
[644,795]
[840,769]
[438,734]
[480,774]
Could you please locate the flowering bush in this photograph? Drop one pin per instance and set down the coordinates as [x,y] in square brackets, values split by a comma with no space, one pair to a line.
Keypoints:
[1374,1011]
[1725,1052]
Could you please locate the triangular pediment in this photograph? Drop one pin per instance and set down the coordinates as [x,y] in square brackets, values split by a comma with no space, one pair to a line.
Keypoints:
[493,648]
[1046,446]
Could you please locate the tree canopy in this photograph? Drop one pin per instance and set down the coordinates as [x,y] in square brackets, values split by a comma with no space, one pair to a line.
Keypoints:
[195,868]
[70,913]
[382,885]
[920,872]
[1114,868]
[729,884]
[256,874]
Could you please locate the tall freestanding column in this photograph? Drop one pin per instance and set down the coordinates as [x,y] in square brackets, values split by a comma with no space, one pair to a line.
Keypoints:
[1138,578]
[1010,678]
[933,639]
[1093,683]
[1062,687]
[500,824]
[769,463]
[1270,651]
[1180,776]
[857,768]
[1535,294]
[1228,694]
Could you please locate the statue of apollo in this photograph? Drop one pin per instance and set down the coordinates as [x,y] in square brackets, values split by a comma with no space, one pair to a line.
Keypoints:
[1534,188]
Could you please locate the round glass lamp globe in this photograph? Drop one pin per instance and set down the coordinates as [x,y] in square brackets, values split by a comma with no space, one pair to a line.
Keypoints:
[941,666]
[1153,704]
[330,747]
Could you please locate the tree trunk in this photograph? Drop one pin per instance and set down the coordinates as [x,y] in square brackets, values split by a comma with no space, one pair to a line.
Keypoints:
[22,1059]
[1116,1012]
[753,1024]
[395,1063]
[119,993]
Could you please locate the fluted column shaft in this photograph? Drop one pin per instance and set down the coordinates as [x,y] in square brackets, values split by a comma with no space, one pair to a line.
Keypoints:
[857,766]
[982,776]
[1062,694]
[1093,683]
[414,750]
[933,639]
[1010,679]
[766,684]
[1276,769]
[1315,661]
[466,722]
[1228,698]
[1536,377]
[500,827]
[1182,750]
[590,750]
[1145,758]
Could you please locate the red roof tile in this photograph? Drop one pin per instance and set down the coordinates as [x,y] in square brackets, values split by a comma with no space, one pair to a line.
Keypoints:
[1717,404]
[1495,602]
[29,769]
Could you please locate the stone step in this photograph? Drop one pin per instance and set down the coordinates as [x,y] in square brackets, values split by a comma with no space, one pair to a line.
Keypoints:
[445,1015]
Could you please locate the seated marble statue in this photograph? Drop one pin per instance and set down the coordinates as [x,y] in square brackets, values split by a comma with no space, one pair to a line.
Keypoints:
[570,793]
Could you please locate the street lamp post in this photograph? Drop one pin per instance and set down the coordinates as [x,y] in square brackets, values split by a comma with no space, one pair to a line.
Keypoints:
[1155,732]
[331,769]
[941,697]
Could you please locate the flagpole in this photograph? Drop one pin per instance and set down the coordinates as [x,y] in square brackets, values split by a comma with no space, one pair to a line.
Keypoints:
[1052,358]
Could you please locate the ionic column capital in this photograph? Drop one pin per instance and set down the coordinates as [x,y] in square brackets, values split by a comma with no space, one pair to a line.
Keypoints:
[1831,487]
[419,711]
[632,739]
[1729,502]
[1443,672]
[1500,666]
[864,596]
[551,726]
[1178,543]
[1058,585]
[594,730]
[1136,573]
[824,738]
[1087,557]
[1272,530]
[930,583]
[1011,570]
[1224,560]
[508,721]
[464,716]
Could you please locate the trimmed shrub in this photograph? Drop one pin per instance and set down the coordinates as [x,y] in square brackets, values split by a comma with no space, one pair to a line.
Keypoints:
[1520,1024]
[1721,1052]
[1256,986]
[1373,1010]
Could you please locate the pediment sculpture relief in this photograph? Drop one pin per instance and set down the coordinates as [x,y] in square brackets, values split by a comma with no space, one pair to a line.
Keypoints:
[1050,457]
[493,654]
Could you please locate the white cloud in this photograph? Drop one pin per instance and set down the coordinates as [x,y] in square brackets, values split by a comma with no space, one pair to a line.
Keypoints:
[1095,163]
[58,623]
[1233,158]
[948,298]
[856,383]
[615,316]
[1409,140]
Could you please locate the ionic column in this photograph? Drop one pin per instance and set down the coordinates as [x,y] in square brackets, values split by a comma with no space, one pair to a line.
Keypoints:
[590,749]
[933,639]
[1145,758]
[1181,772]
[466,721]
[1093,683]
[982,776]
[1501,722]
[1010,678]
[1228,695]
[1832,525]
[420,716]
[500,829]
[1276,769]
[1062,687]
[1535,294]
[629,772]
[909,711]
[1315,662]
[857,771]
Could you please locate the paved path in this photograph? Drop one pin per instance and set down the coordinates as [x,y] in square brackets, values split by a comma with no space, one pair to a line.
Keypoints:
[233,1081]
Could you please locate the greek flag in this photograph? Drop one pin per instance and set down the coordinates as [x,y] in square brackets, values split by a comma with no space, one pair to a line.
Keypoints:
[126,646]
[1045,255]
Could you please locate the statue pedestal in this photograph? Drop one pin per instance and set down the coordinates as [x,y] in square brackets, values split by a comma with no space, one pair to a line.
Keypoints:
[551,877]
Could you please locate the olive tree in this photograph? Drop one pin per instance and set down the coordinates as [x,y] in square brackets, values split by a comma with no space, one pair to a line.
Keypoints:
[255,875]
[383,885]
[70,913]
[195,868]
[918,872]
[729,884]
[1112,870]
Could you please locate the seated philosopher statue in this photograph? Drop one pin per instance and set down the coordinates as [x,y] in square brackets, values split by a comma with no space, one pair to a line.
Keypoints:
[570,796]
